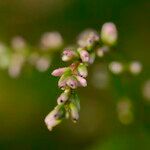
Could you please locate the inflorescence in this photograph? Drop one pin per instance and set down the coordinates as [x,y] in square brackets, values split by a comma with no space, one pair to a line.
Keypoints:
[19,54]
[90,43]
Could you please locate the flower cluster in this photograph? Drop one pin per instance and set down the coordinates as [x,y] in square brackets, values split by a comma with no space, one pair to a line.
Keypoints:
[20,54]
[90,43]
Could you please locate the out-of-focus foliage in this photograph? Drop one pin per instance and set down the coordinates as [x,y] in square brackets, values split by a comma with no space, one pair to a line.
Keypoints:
[25,101]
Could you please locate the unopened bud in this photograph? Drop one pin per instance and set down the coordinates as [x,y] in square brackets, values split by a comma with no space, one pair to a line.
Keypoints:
[59,71]
[72,82]
[109,34]
[68,55]
[82,70]
[62,82]
[54,118]
[63,79]
[52,123]
[74,112]
[63,97]
[84,55]
[82,81]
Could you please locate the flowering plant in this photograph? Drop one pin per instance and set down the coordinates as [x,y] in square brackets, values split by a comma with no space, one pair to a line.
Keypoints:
[90,44]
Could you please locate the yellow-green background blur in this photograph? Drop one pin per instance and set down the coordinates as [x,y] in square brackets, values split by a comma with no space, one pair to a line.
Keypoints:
[25,101]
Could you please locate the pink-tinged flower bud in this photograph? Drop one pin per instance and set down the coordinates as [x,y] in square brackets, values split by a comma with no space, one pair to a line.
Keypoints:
[72,82]
[82,81]
[84,55]
[59,71]
[50,123]
[88,38]
[68,55]
[54,118]
[74,112]
[63,97]
[62,82]
[92,58]
[63,79]
[82,70]
[109,34]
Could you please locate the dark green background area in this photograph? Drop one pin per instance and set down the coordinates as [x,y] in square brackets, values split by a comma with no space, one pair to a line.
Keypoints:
[24,102]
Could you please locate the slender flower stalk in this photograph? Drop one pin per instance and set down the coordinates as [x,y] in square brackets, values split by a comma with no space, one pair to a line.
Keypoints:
[75,74]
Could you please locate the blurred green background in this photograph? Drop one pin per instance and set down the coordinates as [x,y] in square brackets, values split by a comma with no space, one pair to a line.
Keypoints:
[25,101]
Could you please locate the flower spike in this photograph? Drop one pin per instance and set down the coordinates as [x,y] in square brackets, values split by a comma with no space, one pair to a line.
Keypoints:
[75,75]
